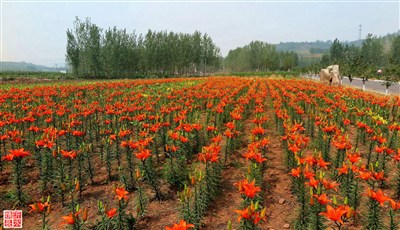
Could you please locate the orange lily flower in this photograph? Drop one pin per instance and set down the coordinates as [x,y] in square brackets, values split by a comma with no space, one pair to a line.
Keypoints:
[38,207]
[313,183]
[334,214]
[378,196]
[121,193]
[143,155]
[249,189]
[181,226]
[294,148]
[296,172]
[322,199]
[323,164]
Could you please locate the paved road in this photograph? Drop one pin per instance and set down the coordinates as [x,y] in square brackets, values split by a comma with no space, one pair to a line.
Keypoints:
[374,85]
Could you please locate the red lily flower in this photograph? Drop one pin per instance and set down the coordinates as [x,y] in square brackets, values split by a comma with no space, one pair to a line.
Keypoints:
[111,213]
[8,157]
[21,153]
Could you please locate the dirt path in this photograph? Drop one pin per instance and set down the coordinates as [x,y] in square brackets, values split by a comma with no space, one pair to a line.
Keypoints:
[223,209]
[278,182]
[278,187]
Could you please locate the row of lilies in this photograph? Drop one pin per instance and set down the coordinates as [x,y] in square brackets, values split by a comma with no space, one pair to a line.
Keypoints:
[342,152]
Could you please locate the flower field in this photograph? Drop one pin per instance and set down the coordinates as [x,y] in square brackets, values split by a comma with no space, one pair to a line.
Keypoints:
[200,153]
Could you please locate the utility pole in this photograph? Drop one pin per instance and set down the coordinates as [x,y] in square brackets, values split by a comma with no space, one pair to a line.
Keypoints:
[359,32]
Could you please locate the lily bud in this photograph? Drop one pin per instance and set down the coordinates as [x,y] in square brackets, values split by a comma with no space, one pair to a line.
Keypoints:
[48,209]
[99,205]
[263,213]
[229,225]
[252,206]
[371,167]
[85,214]
[334,201]
[349,213]
[138,174]
[36,206]
[200,176]
[63,187]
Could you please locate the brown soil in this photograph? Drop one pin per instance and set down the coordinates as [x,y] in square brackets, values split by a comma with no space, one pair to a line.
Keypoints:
[279,181]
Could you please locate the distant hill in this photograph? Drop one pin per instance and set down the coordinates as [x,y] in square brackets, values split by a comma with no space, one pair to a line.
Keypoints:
[310,49]
[311,52]
[27,67]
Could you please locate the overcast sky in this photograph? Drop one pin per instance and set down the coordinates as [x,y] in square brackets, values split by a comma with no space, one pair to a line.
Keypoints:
[36,31]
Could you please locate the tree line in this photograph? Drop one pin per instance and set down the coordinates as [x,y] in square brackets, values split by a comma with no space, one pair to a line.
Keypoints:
[364,61]
[93,52]
[260,56]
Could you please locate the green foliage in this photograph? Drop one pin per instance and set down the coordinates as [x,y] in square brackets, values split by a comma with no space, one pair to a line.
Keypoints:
[121,220]
[374,220]
[316,220]
[336,52]
[115,53]
[325,60]
[393,221]
[364,61]
[262,74]
[260,56]
[395,51]
[372,51]
[175,172]
[398,182]
[152,177]
[142,202]
[15,75]
[391,73]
